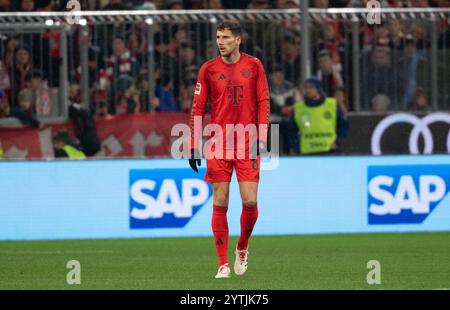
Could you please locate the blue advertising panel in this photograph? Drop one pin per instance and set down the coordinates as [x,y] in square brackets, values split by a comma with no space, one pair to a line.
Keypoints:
[165,198]
[405,194]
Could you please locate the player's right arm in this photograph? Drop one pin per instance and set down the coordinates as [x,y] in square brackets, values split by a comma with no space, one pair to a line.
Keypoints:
[201,94]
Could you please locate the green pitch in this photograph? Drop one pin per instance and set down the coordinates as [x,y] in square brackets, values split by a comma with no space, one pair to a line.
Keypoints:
[408,261]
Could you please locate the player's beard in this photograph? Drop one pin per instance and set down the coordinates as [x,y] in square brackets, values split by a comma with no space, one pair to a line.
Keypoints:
[227,54]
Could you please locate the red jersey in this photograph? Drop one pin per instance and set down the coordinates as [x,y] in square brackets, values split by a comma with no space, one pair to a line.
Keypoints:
[238,94]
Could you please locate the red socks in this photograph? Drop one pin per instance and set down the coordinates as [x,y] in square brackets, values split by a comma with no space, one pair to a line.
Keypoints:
[220,231]
[219,225]
[248,220]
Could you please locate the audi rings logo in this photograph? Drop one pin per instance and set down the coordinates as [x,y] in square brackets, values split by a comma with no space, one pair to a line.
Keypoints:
[420,128]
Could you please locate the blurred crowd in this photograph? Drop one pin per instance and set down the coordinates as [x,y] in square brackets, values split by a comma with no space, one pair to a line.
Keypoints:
[394,75]
[60,5]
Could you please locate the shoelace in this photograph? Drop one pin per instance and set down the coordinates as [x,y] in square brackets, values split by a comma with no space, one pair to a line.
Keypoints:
[223,267]
[242,255]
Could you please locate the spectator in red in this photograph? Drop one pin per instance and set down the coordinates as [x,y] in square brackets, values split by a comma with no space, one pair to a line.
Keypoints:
[331,39]
[121,62]
[372,34]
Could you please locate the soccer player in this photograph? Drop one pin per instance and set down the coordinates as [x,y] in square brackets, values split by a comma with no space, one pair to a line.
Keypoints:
[237,89]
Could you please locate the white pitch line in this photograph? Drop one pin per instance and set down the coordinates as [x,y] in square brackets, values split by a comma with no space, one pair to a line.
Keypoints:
[56,252]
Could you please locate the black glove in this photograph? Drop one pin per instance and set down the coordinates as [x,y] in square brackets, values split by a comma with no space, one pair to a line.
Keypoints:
[195,160]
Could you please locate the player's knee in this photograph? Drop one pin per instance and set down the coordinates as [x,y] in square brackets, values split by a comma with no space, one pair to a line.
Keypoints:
[221,201]
[249,203]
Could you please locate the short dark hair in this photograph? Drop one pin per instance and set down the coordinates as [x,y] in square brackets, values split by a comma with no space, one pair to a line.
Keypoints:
[231,24]
[324,53]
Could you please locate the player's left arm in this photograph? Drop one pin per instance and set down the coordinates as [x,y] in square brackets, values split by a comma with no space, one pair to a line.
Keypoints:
[263,101]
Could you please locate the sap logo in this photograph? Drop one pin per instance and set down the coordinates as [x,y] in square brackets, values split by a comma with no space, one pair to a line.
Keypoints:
[164,198]
[405,194]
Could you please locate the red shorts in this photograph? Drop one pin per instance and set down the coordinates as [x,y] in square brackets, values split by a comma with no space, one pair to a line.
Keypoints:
[220,170]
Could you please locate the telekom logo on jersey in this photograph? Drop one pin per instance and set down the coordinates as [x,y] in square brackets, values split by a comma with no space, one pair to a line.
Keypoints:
[220,144]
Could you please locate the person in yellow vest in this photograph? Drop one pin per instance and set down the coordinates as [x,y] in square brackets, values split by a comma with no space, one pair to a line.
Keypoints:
[318,124]
[63,148]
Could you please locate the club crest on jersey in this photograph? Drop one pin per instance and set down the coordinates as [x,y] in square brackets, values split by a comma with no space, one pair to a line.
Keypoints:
[198,89]
[246,73]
